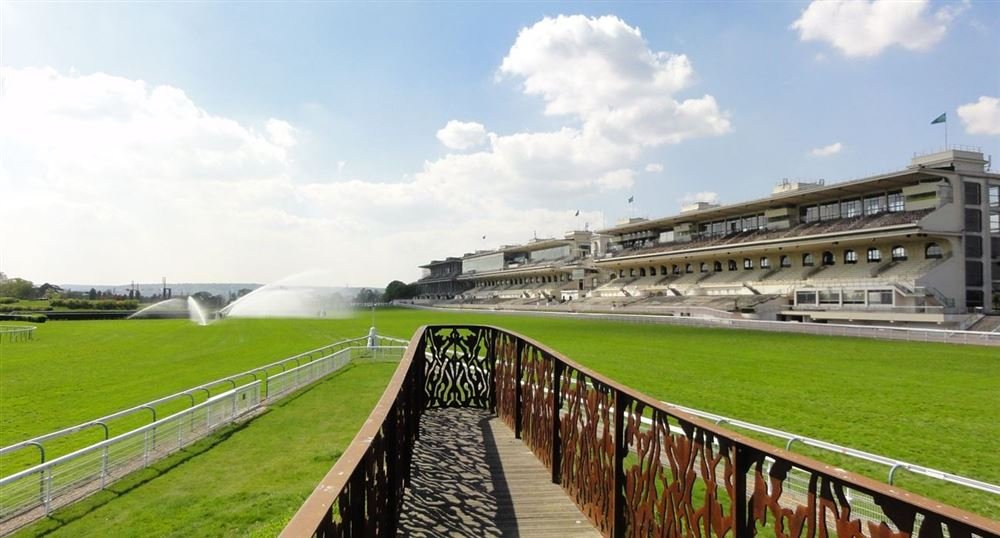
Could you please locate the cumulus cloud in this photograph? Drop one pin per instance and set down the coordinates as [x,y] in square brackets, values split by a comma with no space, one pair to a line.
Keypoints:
[149,182]
[827,151]
[462,135]
[706,196]
[654,167]
[981,117]
[866,28]
[601,71]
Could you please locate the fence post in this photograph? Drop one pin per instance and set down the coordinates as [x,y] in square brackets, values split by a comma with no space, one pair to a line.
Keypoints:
[518,372]
[618,460]
[145,449]
[104,467]
[47,490]
[742,524]
[557,372]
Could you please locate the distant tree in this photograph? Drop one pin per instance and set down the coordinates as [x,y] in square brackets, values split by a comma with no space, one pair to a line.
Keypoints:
[398,290]
[366,296]
[243,291]
[206,299]
[17,287]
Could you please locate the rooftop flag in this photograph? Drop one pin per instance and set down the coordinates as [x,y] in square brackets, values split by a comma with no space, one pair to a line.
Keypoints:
[577,213]
[631,199]
[940,119]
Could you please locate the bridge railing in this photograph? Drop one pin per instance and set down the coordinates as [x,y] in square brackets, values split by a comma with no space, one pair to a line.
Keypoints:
[633,465]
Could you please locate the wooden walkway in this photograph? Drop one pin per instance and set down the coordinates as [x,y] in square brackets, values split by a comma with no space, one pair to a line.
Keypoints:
[471,477]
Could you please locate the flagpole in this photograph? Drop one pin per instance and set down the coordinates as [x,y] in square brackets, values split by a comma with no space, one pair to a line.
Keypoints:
[946,135]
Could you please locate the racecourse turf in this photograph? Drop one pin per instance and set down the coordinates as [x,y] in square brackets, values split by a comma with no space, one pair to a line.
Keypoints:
[930,404]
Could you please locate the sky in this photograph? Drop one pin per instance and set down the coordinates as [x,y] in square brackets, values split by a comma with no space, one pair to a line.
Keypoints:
[245,142]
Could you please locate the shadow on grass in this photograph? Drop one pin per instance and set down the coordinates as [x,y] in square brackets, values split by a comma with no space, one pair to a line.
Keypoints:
[134,480]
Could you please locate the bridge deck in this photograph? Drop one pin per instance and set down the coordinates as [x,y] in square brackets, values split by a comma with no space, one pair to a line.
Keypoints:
[471,477]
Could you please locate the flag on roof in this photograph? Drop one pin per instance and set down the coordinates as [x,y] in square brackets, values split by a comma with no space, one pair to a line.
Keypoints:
[577,213]
[631,199]
[484,237]
[940,119]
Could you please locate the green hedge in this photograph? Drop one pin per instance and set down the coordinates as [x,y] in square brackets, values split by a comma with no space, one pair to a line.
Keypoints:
[83,304]
[33,318]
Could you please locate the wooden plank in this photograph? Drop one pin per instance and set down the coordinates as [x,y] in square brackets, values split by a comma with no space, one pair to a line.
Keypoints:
[472,477]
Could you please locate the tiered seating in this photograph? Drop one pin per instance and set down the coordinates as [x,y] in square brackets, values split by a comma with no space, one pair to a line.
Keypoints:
[804,229]
[843,272]
[788,274]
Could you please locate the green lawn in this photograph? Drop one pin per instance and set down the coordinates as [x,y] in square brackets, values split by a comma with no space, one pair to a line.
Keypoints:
[931,404]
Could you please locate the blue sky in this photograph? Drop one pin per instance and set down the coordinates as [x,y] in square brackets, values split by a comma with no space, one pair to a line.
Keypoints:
[361,91]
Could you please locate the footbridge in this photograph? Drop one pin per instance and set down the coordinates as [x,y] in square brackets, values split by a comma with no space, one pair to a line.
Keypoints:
[483,432]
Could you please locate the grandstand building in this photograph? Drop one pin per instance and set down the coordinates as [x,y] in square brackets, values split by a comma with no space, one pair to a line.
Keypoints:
[540,271]
[917,247]
[440,279]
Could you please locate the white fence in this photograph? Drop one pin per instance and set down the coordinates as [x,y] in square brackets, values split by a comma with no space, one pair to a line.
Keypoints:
[822,329]
[32,493]
[67,478]
[16,333]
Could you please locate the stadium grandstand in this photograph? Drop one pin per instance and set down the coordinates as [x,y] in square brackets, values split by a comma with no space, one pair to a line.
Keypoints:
[915,247]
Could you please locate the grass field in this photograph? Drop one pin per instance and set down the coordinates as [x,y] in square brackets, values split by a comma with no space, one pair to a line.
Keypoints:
[931,404]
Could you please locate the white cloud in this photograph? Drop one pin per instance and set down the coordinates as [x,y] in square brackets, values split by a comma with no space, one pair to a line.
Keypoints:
[654,167]
[602,72]
[149,183]
[462,135]
[866,28]
[280,132]
[827,151]
[706,196]
[981,117]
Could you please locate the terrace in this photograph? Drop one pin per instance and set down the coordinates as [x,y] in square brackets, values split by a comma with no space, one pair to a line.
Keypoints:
[431,461]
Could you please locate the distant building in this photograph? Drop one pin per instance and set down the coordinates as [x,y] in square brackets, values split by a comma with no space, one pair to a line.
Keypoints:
[3,277]
[919,246]
[440,279]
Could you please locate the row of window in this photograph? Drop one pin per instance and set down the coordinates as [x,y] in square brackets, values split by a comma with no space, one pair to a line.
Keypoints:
[892,202]
[874,255]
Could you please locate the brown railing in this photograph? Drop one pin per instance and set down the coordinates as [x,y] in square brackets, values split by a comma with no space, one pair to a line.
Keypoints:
[632,465]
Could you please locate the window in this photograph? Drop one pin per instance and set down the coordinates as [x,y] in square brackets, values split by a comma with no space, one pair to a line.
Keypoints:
[874,255]
[850,256]
[642,271]
[805,298]
[874,205]
[809,214]
[973,192]
[896,203]
[747,263]
[631,272]
[748,223]
[765,263]
[974,298]
[829,211]
[807,260]
[973,220]
[717,267]
[898,254]
[785,261]
[732,265]
[995,223]
[973,273]
[854,297]
[994,194]
[829,297]
[880,297]
[827,258]
[676,269]
[663,270]
[718,228]
[933,251]
[850,208]
[688,268]
[704,267]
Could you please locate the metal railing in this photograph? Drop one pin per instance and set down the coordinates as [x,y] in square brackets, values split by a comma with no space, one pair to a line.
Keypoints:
[190,395]
[878,332]
[17,333]
[634,466]
[73,476]
[34,492]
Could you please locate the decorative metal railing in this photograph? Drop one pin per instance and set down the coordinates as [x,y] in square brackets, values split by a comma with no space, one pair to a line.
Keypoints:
[633,465]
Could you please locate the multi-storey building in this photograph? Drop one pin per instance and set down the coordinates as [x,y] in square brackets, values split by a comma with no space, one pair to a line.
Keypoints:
[439,280]
[920,245]
[542,269]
